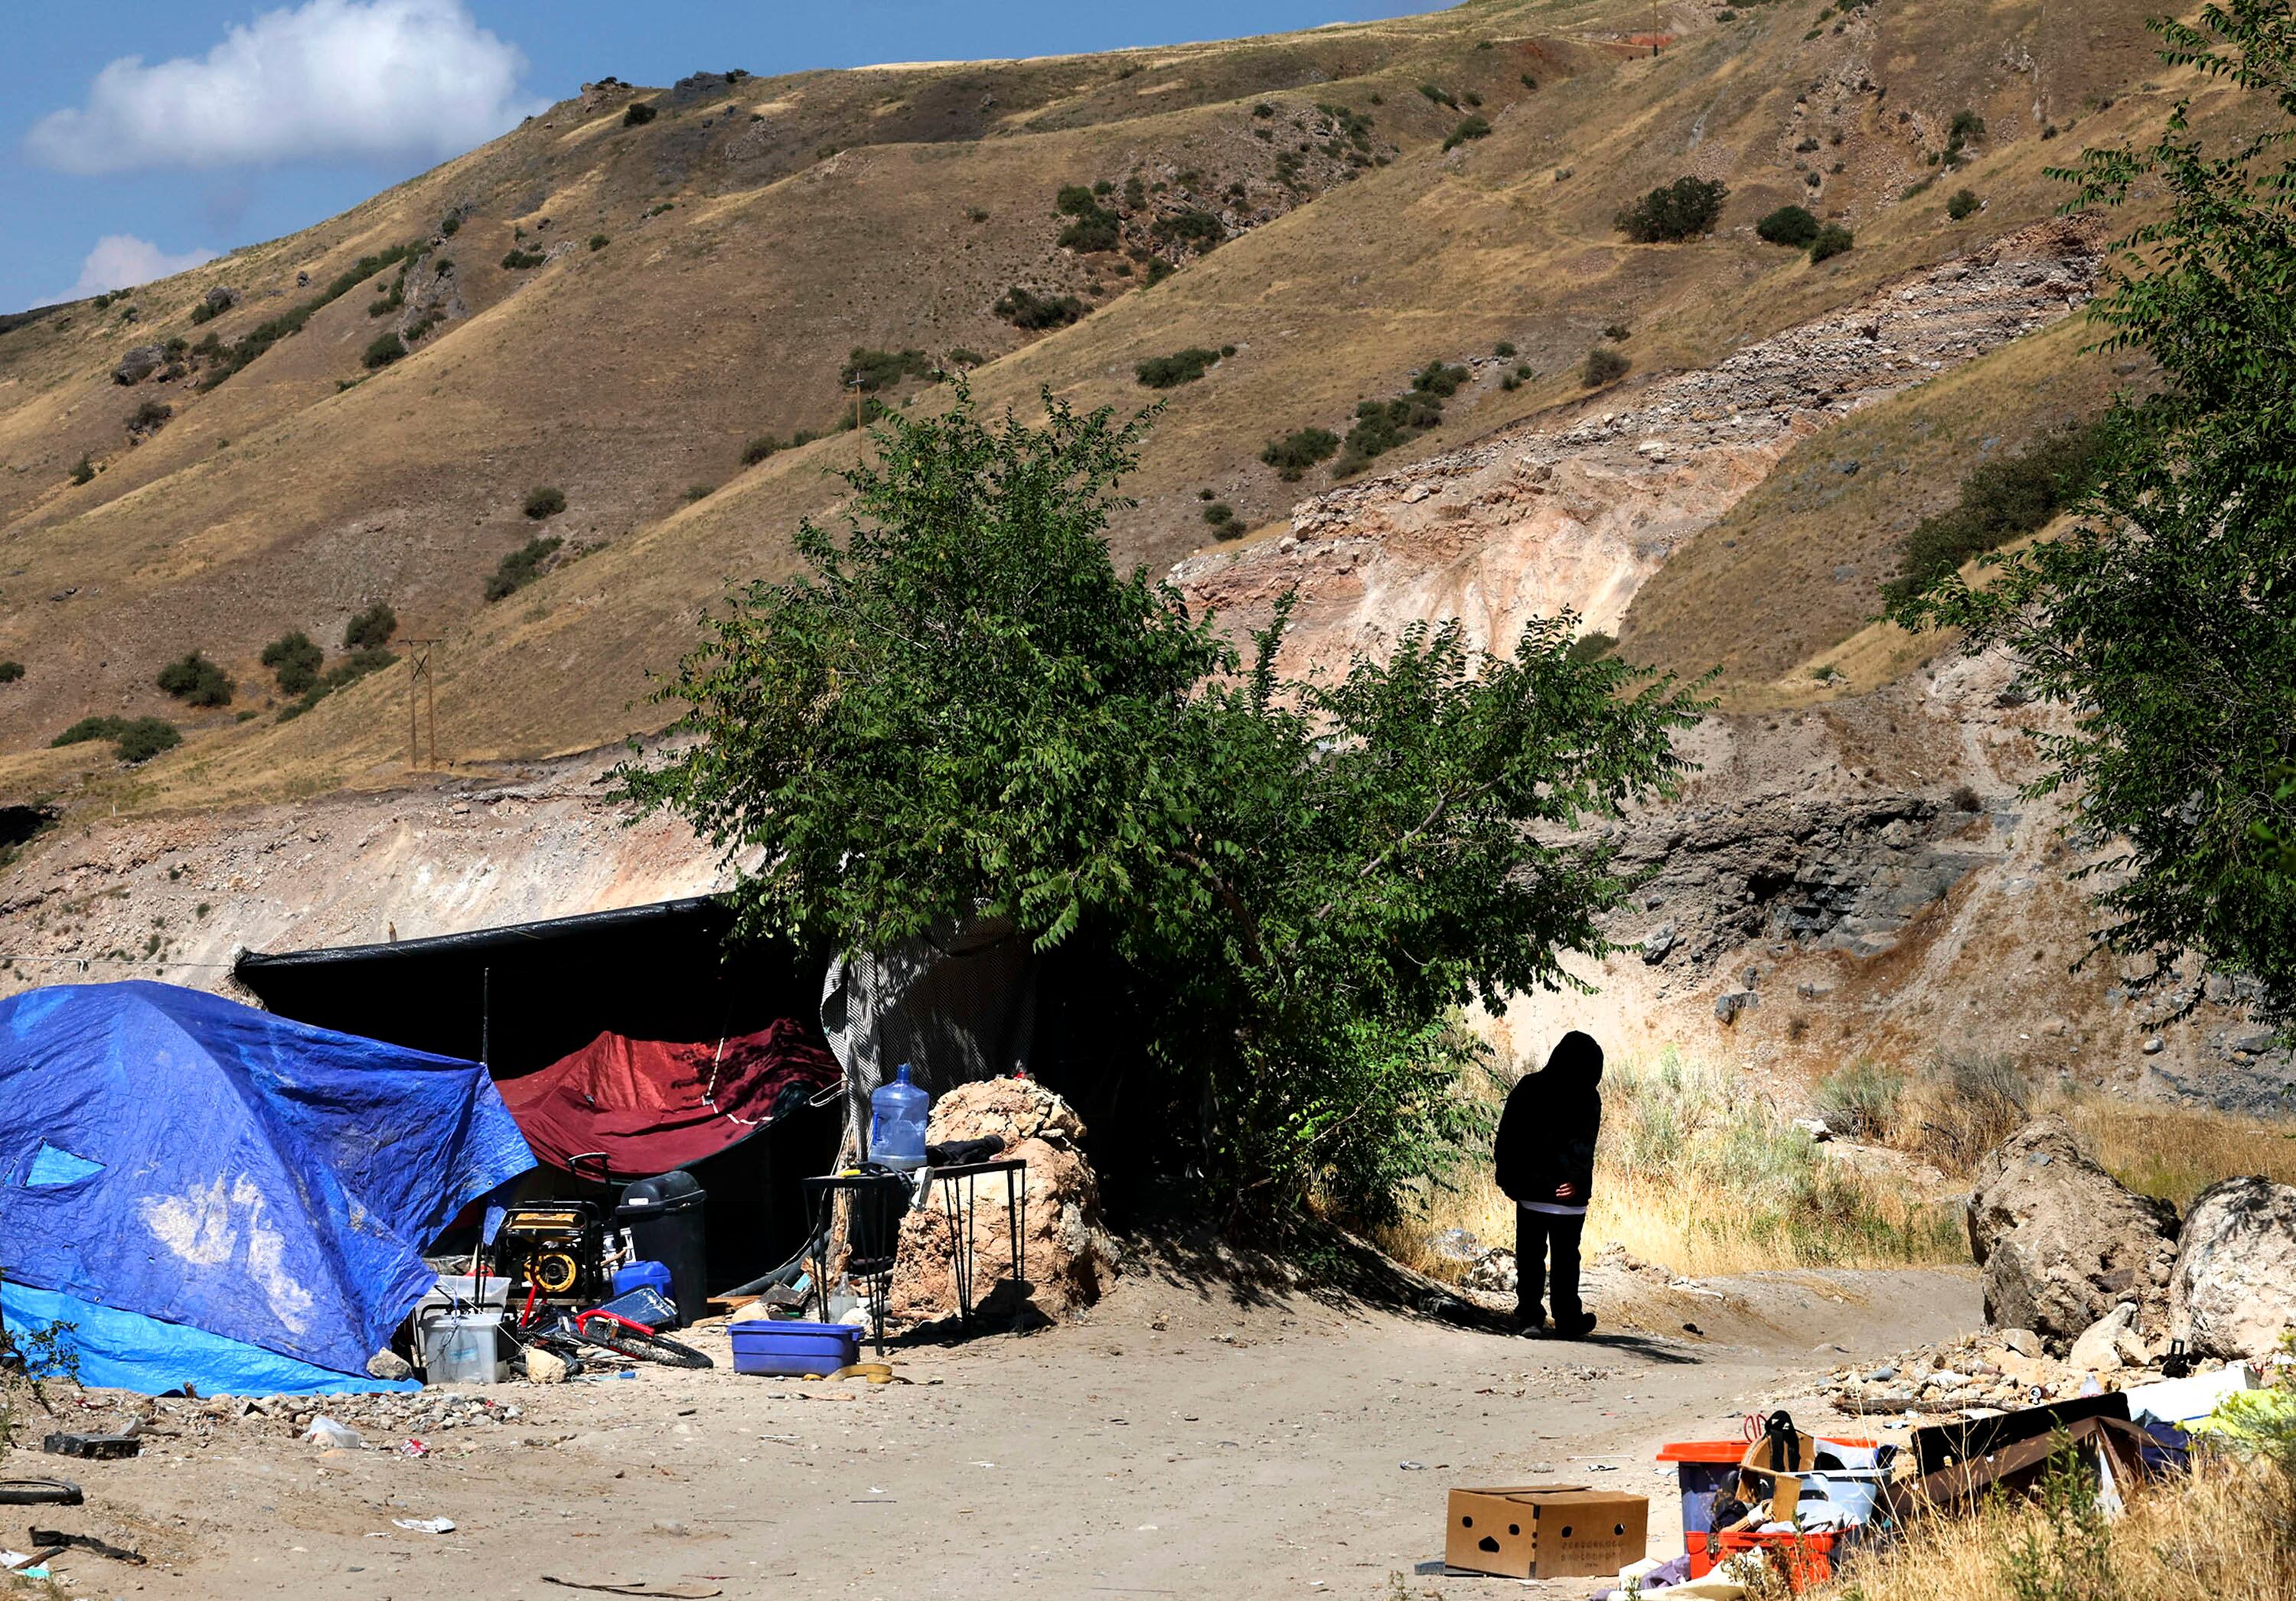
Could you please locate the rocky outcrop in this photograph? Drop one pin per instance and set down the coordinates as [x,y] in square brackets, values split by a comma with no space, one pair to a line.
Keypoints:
[2063,1244]
[139,364]
[2234,1291]
[1576,514]
[220,299]
[1066,1256]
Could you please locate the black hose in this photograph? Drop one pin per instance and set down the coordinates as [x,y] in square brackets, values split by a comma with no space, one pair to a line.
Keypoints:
[788,1273]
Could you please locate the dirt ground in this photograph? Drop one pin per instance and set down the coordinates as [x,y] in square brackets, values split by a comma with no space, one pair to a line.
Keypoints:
[1178,1439]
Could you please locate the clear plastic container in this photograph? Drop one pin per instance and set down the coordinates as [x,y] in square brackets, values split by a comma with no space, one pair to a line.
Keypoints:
[896,1123]
[463,1348]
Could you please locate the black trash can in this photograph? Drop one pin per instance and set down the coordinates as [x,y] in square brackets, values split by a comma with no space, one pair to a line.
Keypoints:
[665,1218]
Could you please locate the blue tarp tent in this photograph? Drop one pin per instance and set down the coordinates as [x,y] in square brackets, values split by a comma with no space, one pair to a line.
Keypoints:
[217,1196]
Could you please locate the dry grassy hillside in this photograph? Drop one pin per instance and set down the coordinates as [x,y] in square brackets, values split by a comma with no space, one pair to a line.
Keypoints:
[757,230]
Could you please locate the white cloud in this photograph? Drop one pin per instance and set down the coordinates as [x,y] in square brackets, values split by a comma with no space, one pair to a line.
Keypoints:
[122,261]
[333,79]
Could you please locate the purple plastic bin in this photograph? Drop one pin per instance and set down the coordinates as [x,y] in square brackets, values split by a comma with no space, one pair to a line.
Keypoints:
[799,1350]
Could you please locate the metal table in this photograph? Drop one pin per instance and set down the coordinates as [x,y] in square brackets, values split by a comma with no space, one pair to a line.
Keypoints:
[958,1201]
[878,1201]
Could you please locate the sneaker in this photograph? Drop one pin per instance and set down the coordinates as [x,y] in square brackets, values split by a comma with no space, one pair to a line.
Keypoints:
[1577,1327]
[1530,1320]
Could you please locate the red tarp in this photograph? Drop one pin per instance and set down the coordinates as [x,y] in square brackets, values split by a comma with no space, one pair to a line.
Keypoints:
[650,1105]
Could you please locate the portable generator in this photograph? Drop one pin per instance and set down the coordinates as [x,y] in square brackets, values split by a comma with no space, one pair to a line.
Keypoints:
[554,1250]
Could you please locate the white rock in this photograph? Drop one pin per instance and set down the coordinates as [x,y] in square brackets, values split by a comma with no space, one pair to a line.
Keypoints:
[2098,1349]
[2024,1342]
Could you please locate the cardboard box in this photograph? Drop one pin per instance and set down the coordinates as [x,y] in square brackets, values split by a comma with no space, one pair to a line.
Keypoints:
[1545,1531]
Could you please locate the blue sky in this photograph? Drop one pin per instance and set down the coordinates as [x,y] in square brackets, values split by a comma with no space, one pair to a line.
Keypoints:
[146,136]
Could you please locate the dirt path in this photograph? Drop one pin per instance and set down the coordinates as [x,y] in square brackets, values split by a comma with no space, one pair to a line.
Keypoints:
[1175,1442]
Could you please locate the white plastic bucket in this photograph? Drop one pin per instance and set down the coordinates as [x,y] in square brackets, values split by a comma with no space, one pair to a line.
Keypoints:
[462,1349]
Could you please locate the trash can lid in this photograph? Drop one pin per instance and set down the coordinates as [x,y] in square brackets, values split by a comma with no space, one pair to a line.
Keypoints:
[674,1191]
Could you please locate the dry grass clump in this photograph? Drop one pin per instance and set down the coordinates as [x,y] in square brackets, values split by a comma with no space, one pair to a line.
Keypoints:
[1702,1172]
[1952,1112]
[2174,1153]
[2225,1532]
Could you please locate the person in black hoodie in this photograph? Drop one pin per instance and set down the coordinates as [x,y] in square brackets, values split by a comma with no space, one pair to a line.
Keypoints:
[1545,1157]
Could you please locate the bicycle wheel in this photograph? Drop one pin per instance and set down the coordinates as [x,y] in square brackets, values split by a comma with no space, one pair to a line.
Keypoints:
[645,1348]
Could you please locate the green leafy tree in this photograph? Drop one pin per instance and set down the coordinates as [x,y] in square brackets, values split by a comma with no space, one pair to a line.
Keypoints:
[964,710]
[2166,620]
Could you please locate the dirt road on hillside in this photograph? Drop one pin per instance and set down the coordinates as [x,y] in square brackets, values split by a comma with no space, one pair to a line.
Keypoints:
[1177,1441]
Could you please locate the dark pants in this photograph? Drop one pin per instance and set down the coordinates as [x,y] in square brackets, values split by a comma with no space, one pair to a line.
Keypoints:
[1535,1232]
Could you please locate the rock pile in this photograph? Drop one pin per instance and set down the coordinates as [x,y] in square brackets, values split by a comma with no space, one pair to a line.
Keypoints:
[1065,1254]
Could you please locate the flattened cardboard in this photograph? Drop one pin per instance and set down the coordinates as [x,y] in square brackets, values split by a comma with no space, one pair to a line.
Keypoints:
[1545,1531]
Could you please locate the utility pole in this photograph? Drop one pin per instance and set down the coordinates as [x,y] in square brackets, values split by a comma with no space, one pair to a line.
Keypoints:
[419,674]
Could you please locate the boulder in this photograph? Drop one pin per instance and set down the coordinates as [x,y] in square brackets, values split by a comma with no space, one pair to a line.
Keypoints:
[221,298]
[2098,1349]
[1065,1254]
[388,1365]
[139,364]
[2062,1243]
[2233,1291]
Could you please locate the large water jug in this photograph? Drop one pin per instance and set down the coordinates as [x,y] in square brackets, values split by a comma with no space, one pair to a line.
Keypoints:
[896,1123]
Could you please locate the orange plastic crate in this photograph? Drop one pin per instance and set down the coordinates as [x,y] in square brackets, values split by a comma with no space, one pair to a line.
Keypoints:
[1805,1559]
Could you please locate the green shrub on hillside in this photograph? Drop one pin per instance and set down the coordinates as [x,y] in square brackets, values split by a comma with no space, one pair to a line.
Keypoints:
[1592,646]
[546,500]
[1192,229]
[9,671]
[1439,95]
[83,471]
[1966,128]
[385,349]
[1964,203]
[294,661]
[1473,127]
[1602,365]
[1182,366]
[89,729]
[1092,227]
[520,568]
[1295,452]
[196,681]
[638,114]
[142,738]
[1672,212]
[1024,308]
[149,418]
[133,739]
[871,371]
[519,261]
[599,241]
[1831,240]
[1794,226]
[1222,517]
[759,448]
[371,628]
[2001,500]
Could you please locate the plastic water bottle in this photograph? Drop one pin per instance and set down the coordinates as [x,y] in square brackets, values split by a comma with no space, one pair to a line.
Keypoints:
[896,1124]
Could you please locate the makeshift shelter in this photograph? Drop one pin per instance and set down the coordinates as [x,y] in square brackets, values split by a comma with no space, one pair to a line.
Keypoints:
[215,1196]
[632,1009]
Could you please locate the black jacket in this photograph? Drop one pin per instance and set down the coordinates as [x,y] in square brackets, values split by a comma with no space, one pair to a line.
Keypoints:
[1546,1134]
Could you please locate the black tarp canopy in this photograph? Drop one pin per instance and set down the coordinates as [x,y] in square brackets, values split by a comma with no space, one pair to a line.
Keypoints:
[521,996]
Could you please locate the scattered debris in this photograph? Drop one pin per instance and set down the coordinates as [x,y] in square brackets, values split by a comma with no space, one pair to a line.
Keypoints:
[94,1448]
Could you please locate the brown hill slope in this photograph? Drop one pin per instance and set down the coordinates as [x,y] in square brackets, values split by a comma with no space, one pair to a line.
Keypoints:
[758,230]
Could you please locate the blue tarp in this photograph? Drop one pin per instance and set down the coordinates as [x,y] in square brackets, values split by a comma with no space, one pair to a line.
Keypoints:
[172,1156]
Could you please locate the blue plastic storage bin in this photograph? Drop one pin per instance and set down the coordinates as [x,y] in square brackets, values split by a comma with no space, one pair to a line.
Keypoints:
[802,1351]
